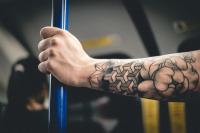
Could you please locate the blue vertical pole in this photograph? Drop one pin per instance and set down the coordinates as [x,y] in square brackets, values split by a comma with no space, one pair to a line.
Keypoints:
[58,92]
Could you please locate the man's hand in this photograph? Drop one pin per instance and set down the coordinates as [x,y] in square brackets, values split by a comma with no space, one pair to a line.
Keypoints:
[62,55]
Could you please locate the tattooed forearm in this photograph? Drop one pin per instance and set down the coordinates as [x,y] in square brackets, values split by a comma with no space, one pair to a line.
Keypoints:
[163,78]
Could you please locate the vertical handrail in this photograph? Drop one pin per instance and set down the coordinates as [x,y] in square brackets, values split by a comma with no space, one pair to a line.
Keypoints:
[58,92]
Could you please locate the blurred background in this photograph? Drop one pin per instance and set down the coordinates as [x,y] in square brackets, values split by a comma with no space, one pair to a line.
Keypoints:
[109,29]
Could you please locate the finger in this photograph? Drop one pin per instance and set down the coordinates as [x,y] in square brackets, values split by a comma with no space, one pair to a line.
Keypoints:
[44,44]
[47,32]
[43,67]
[47,54]
[43,56]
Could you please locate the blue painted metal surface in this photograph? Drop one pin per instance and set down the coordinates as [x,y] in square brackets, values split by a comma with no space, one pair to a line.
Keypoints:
[58,92]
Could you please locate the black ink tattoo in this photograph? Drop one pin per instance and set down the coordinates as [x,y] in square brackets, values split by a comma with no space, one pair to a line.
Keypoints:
[168,78]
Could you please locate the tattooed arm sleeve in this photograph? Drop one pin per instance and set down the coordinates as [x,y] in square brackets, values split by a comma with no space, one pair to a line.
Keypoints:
[166,77]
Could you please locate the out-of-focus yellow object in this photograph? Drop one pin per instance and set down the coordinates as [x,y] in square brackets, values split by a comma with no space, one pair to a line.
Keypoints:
[98,42]
[177,117]
[150,113]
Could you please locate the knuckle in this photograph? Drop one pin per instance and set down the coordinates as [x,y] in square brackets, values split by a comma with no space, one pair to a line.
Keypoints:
[52,52]
[54,41]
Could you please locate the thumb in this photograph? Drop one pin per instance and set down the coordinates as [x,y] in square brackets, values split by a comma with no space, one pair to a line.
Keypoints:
[48,31]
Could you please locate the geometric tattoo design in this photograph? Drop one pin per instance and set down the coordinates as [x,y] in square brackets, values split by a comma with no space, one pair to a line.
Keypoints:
[168,78]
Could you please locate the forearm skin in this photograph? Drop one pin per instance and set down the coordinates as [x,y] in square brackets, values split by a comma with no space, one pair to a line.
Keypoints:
[168,77]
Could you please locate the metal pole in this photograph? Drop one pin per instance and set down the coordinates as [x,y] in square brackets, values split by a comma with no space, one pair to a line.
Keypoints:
[58,92]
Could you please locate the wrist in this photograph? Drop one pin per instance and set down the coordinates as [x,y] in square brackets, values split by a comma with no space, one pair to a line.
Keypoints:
[88,70]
